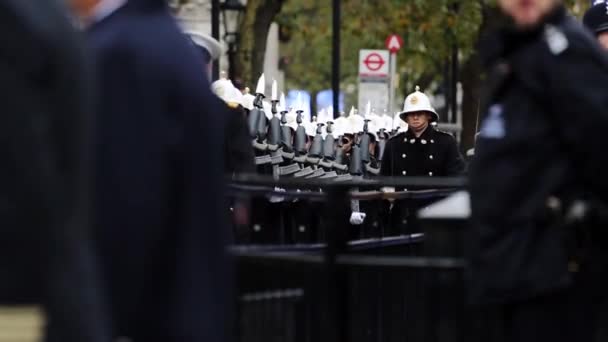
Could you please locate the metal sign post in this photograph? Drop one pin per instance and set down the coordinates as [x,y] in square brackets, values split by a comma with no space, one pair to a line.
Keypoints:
[393,44]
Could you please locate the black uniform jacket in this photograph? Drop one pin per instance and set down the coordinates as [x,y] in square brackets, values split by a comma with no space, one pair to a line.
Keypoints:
[159,179]
[434,153]
[239,157]
[542,143]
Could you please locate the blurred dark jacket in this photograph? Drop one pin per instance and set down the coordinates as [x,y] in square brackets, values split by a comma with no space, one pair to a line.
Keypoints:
[159,184]
[541,146]
[45,250]
[239,152]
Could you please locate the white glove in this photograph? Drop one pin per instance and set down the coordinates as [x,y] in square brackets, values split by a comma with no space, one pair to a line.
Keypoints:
[277,199]
[357,218]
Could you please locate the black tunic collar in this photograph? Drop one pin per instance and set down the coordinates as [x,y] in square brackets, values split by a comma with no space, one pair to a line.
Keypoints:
[427,134]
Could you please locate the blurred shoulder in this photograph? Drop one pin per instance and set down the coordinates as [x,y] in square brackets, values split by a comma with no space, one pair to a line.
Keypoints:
[444,135]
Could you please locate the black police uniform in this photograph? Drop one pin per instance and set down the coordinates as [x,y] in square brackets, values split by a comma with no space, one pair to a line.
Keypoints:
[541,145]
[433,154]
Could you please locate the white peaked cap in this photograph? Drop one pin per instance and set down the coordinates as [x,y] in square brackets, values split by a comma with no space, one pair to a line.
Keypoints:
[356,123]
[375,124]
[234,96]
[326,116]
[339,126]
[310,127]
[207,42]
[225,90]
[387,122]
[418,102]
[291,118]
[248,100]
[220,87]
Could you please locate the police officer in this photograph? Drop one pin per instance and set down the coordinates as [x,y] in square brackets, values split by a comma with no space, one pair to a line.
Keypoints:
[596,20]
[540,147]
[422,150]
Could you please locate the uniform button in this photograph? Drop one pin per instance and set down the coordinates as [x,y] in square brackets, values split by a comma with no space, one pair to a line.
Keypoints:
[431,174]
[403,155]
[404,173]
[431,156]
[432,141]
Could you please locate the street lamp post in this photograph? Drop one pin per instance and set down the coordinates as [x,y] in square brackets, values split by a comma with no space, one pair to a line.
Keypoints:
[232,11]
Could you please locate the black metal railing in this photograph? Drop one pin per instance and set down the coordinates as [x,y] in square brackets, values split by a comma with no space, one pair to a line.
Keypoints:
[337,289]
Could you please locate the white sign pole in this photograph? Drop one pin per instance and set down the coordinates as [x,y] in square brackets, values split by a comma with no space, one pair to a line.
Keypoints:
[393,78]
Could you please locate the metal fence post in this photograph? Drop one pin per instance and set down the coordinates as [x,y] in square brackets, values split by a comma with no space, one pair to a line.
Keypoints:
[337,225]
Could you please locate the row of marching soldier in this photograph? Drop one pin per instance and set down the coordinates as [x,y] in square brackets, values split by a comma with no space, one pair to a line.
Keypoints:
[366,145]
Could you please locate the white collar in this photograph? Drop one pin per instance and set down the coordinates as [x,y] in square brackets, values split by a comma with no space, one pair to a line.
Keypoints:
[104,8]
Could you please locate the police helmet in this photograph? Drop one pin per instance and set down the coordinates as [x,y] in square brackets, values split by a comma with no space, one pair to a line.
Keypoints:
[596,17]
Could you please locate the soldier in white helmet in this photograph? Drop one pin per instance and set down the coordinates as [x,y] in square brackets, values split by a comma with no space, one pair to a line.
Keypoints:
[419,151]
[422,150]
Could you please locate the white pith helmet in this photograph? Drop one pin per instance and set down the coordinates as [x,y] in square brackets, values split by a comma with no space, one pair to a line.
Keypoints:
[418,102]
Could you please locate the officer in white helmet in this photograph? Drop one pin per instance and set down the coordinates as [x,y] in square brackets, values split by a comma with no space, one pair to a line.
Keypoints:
[422,150]
[419,151]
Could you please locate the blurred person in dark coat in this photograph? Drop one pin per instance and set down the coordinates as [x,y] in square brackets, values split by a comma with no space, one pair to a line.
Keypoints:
[159,182]
[46,255]
[238,151]
[539,153]
[238,157]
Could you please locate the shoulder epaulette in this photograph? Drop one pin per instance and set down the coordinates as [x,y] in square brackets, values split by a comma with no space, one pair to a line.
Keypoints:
[556,39]
[444,132]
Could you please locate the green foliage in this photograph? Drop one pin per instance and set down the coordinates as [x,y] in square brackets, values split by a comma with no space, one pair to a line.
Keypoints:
[429,28]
